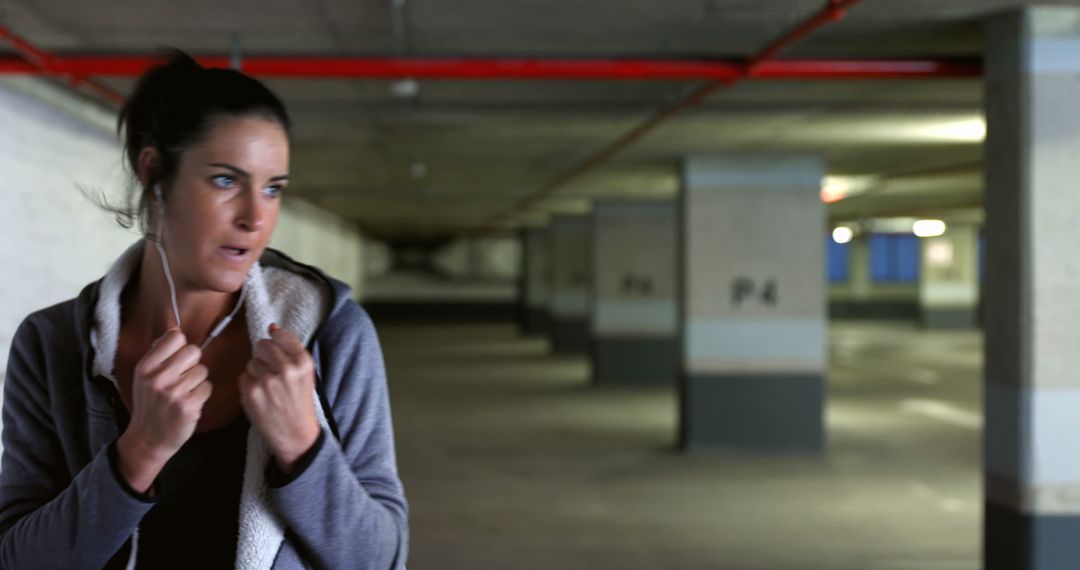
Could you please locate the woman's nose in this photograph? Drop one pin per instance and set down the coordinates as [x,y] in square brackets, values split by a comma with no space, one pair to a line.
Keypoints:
[251,216]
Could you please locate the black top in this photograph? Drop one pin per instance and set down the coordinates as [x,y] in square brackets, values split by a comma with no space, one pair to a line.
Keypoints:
[194,522]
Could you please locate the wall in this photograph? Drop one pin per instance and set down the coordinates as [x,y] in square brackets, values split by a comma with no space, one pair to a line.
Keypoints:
[493,258]
[316,237]
[861,298]
[55,240]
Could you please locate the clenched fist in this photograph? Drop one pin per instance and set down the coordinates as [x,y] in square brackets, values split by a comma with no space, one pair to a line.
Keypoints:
[168,390]
[276,392]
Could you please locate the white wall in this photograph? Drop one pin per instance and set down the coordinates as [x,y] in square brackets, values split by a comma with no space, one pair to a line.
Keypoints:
[316,237]
[498,258]
[494,258]
[55,241]
[378,259]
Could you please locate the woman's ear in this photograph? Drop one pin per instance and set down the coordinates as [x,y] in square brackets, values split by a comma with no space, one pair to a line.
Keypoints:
[149,165]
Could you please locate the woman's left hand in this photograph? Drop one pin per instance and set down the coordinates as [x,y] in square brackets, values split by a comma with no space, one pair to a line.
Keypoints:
[275,392]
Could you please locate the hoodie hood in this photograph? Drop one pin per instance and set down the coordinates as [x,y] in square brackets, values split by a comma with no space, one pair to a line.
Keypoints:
[277,289]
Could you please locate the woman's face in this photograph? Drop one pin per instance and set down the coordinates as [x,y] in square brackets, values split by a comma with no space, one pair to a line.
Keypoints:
[226,195]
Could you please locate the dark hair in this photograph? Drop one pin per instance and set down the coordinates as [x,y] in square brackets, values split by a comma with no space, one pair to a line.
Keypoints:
[172,107]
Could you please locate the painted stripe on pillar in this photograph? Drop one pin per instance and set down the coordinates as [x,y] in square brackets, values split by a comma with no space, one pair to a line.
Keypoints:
[1059,499]
[571,304]
[949,294]
[1041,477]
[755,345]
[639,316]
[1054,55]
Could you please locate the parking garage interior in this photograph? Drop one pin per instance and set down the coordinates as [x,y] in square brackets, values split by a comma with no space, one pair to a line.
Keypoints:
[694,284]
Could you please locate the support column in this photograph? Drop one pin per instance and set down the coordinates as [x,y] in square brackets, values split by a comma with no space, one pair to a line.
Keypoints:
[949,279]
[753,303]
[854,301]
[536,280]
[859,269]
[633,288]
[1032,391]
[571,237]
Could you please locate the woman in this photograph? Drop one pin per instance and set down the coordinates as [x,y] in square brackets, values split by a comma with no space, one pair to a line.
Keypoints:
[209,403]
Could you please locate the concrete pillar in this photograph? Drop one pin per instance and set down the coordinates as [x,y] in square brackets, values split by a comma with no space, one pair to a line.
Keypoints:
[949,278]
[1032,322]
[851,300]
[753,322]
[571,237]
[536,280]
[633,289]
[859,268]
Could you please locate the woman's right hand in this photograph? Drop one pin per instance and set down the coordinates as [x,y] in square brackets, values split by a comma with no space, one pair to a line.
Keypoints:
[168,390]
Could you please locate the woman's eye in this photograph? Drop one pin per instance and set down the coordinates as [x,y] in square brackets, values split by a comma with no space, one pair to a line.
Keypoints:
[275,190]
[224,181]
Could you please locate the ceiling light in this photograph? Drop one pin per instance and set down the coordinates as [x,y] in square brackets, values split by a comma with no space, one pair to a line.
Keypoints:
[830,194]
[842,234]
[836,188]
[405,88]
[418,169]
[962,130]
[928,228]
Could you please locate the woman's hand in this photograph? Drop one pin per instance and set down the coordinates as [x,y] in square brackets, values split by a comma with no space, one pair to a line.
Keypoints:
[276,390]
[168,390]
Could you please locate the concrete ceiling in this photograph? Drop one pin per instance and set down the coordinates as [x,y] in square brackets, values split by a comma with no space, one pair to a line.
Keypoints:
[486,144]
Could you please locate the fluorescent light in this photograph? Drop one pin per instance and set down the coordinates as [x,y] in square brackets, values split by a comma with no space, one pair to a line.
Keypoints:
[966,130]
[831,193]
[842,234]
[836,188]
[954,129]
[928,228]
[418,169]
[405,88]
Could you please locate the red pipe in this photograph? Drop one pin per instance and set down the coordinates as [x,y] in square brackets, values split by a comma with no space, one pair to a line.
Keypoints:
[833,11]
[33,55]
[507,68]
[45,63]
[17,66]
[868,69]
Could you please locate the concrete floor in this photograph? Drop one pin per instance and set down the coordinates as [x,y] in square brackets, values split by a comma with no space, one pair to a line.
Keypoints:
[511,461]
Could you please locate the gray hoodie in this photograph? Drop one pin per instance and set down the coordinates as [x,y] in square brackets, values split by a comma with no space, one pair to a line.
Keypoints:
[63,503]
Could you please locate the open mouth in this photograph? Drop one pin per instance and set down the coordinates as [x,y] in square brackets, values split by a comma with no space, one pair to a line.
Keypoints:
[234,251]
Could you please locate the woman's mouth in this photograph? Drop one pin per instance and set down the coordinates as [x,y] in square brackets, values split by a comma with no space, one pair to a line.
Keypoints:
[233,253]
